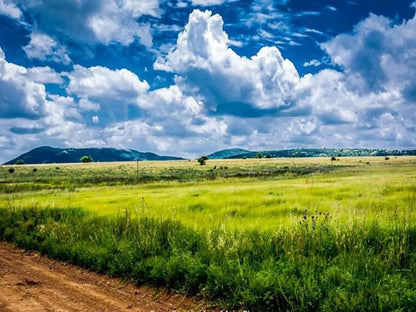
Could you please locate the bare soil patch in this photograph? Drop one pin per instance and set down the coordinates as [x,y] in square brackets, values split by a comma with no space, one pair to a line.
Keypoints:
[31,282]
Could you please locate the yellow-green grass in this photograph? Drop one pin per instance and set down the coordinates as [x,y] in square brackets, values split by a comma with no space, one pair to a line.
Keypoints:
[360,190]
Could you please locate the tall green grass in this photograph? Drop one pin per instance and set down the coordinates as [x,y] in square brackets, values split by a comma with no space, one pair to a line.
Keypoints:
[245,203]
[70,177]
[318,264]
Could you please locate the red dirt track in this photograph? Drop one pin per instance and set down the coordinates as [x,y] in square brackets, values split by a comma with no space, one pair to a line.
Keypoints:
[30,282]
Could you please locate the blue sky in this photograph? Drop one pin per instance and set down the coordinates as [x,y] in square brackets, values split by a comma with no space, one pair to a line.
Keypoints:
[188,77]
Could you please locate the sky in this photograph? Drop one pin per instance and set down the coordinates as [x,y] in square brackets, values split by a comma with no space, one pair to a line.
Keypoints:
[189,77]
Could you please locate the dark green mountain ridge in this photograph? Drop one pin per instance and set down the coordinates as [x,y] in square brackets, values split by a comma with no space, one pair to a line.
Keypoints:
[47,154]
[322,152]
[227,153]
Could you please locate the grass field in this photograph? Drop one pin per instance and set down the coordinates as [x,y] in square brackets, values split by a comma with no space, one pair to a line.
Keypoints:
[269,234]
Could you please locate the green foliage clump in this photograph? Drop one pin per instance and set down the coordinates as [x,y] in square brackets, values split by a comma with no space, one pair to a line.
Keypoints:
[259,155]
[85,159]
[202,160]
[20,162]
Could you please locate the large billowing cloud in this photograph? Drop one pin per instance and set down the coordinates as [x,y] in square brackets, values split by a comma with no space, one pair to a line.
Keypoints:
[179,115]
[19,96]
[115,92]
[94,21]
[29,116]
[103,84]
[322,109]
[378,56]
[207,67]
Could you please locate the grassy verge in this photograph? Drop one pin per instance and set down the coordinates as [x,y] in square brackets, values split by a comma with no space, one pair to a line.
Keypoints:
[319,264]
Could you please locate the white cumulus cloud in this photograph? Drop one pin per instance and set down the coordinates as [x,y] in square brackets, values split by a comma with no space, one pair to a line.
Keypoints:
[91,21]
[44,75]
[115,93]
[19,96]
[378,56]
[44,47]
[10,9]
[205,65]
[207,2]
[104,85]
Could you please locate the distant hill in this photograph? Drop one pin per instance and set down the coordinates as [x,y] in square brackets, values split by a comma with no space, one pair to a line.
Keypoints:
[324,152]
[227,153]
[47,154]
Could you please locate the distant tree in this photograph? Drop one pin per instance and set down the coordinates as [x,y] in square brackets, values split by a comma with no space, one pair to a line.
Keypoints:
[387,158]
[202,160]
[259,155]
[34,169]
[333,159]
[11,170]
[85,159]
[268,156]
[20,162]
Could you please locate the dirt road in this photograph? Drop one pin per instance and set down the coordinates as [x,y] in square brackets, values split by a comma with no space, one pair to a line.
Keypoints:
[30,282]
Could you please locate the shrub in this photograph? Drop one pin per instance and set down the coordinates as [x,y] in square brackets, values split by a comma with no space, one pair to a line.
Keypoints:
[202,160]
[20,162]
[259,155]
[86,159]
[11,170]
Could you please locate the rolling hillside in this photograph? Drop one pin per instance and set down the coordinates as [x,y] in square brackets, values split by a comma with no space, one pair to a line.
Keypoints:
[47,154]
[311,152]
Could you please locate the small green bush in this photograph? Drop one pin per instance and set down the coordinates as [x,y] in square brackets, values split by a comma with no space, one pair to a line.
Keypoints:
[20,162]
[202,160]
[86,159]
